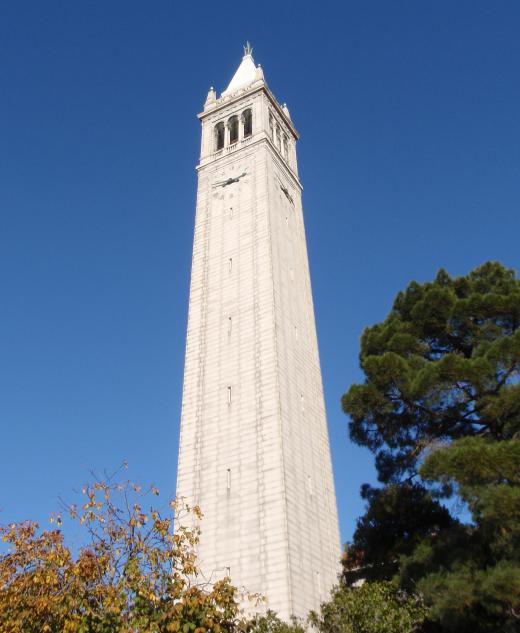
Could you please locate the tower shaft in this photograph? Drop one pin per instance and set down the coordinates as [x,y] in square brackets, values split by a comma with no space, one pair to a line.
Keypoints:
[254,450]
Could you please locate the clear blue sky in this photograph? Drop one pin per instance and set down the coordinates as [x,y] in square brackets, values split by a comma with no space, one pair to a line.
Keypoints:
[409,114]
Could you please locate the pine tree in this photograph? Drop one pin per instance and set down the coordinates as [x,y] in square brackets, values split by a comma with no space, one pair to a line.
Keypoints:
[440,409]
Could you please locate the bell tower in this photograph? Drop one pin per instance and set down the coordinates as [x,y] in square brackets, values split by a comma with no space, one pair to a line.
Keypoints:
[254,450]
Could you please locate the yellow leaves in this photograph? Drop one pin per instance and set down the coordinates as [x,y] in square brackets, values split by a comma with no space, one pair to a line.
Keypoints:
[161,526]
[133,553]
[55,518]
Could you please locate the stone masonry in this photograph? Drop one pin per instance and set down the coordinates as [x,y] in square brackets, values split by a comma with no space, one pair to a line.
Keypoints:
[254,450]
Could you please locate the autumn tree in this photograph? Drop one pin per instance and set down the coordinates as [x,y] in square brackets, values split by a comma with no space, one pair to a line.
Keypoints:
[137,573]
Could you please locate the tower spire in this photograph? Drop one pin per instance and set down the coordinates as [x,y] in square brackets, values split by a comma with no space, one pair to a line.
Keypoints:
[246,72]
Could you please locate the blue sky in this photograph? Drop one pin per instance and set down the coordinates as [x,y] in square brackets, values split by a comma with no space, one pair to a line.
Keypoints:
[409,114]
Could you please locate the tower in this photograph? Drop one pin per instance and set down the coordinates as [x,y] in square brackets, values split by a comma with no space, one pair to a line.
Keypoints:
[254,450]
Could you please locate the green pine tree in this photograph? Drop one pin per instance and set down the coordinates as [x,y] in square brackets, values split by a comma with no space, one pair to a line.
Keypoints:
[441,402]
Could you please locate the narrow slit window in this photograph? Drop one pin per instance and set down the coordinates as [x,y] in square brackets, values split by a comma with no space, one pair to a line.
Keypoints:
[230,264]
[228,479]
[229,395]
[230,213]
[309,485]
[230,325]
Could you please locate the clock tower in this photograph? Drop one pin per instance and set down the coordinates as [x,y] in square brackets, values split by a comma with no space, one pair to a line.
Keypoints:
[254,450]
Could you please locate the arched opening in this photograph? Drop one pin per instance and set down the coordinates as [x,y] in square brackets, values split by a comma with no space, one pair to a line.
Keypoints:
[285,147]
[233,129]
[271,126]
[247,118]
[219,136]
[278,139]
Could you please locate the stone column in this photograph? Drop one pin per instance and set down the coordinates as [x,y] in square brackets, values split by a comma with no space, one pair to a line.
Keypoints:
[226,134]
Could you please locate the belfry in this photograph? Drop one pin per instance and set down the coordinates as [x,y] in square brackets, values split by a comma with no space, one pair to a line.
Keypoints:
[254,450]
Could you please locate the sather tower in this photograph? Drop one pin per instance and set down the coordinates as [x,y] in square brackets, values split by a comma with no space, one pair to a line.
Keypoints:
[254,449]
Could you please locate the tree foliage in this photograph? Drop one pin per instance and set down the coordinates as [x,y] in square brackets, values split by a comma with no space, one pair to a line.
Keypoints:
[376,607]
[471,574]
[397,519]
[138,572]
[272,623]
[443,365]
[441,402]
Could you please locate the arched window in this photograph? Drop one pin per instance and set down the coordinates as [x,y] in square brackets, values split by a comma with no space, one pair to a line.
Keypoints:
[219,136]
[247,118]
[285,147]
[278,140]
[233,129]
[271,126]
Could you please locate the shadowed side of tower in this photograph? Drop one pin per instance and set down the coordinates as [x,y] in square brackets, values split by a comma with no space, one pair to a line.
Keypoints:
[254,450]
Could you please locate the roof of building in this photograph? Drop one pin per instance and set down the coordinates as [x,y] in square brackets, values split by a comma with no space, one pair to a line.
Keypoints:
[245,74]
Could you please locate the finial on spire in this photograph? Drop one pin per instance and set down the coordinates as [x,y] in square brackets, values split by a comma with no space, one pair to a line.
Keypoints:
[248,49]
[210,99]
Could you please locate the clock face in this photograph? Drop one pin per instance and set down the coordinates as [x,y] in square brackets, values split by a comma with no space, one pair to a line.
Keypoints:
[228,186]
[285,189]
[232,175]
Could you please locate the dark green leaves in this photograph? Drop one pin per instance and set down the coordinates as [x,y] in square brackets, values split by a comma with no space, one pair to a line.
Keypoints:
[444,364]
[441,403]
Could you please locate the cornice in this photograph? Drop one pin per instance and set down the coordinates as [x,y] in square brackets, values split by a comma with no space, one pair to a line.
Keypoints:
[239,150]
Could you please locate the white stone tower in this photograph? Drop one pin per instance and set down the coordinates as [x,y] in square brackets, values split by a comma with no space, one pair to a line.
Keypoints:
[254,449]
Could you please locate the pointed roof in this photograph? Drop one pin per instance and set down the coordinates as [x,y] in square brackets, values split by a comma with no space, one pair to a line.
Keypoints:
[245,74]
